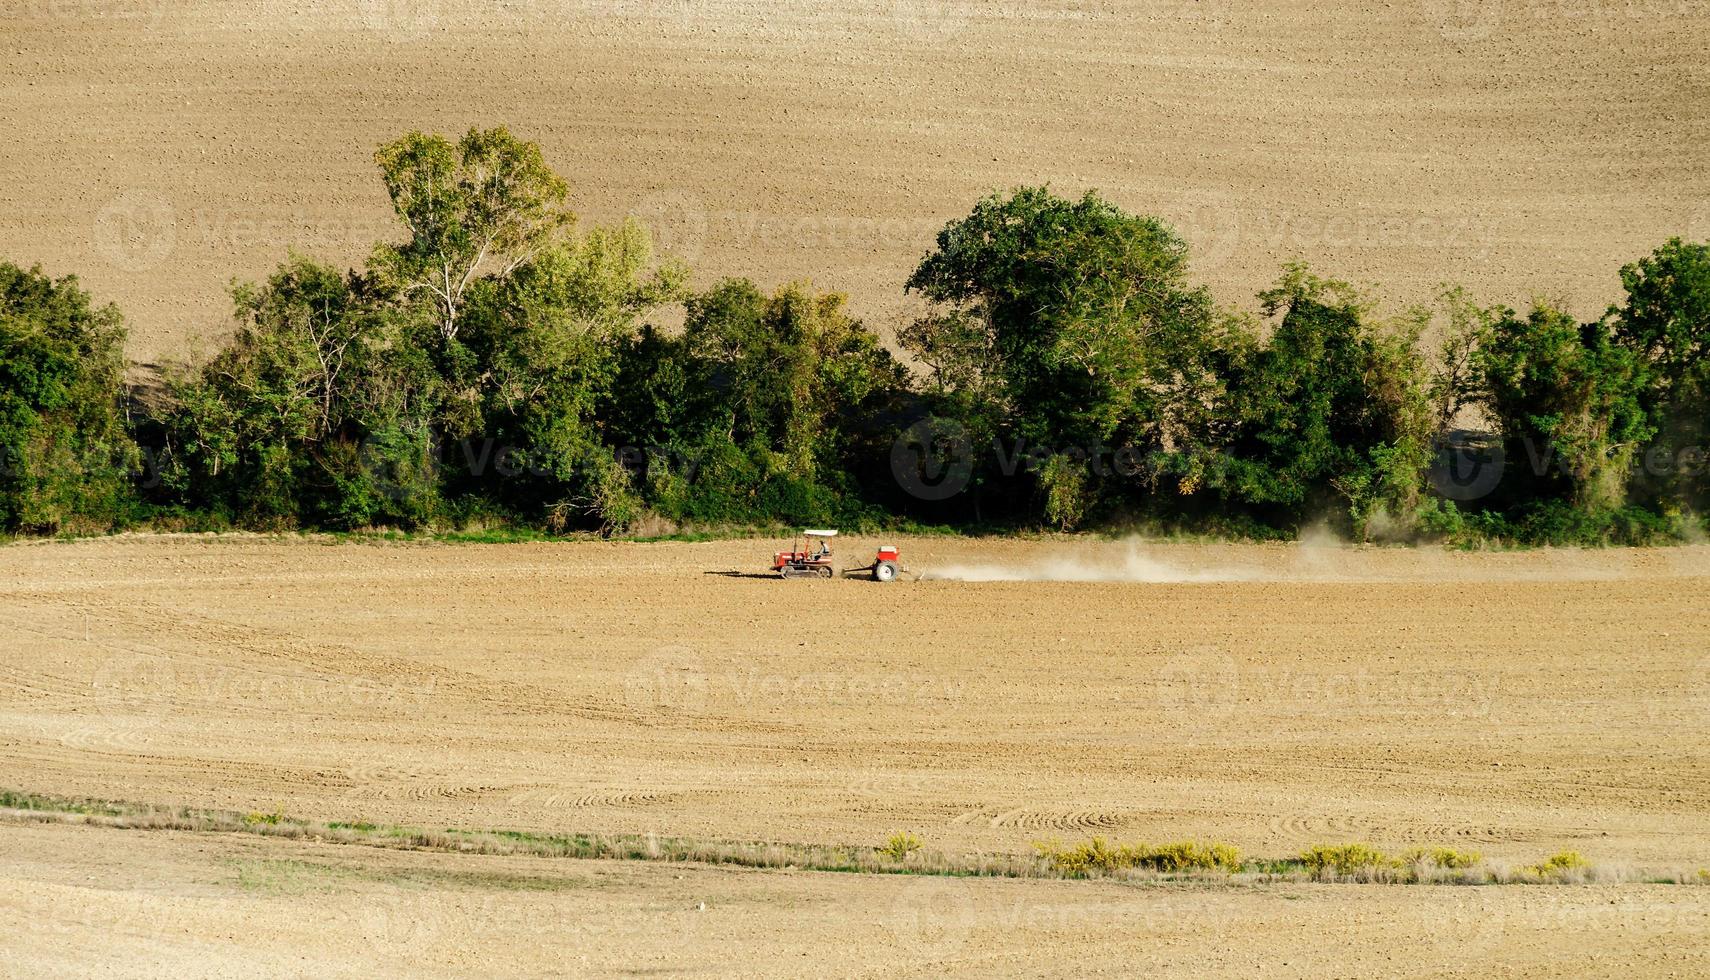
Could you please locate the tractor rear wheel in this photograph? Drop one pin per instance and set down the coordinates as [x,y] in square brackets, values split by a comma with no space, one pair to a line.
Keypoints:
[884,571]
[825,573]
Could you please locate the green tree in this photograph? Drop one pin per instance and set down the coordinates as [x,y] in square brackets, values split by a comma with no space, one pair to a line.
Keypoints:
[1330,407]
[1456,382]
[66,459]
[488,204]
[549,343]
[785,370]
[1666,318]
[1665,322]
[338,403]
[1072,320]
[1568,401]
[780,400]
[317,410]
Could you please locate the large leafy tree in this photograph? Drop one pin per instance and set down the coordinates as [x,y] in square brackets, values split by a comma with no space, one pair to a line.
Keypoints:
[1330,408]
[485,205]
[1568,401]
[1666,318]
[1069,322]
[337,402]
[549,342]
[1665,322]
[769,405]
[787,372]
[318,409]
[65,456]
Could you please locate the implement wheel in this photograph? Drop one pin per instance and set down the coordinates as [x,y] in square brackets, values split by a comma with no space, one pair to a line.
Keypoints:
[884,571]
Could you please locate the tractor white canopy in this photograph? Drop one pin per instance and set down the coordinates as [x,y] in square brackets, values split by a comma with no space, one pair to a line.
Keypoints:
[820,534]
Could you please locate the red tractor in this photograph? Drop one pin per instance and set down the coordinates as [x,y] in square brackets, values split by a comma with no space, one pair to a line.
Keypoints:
[806,561]
[811,558]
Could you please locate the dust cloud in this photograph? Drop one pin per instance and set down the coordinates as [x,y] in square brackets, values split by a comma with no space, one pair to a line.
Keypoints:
[1130,567]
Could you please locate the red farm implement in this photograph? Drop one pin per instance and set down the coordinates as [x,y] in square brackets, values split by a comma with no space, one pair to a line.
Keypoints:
[810,557]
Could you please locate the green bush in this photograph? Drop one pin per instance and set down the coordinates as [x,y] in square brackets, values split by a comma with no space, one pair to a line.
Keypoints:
[1562,865]
[1665,323]
[1328,416]
[1568,401]
[901,845]
[1343,860]
[1443,857]
[66,457]
[1099,856]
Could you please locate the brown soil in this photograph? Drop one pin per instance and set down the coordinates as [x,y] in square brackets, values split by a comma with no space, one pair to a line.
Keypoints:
[1274,697]
[160,147]
[159,904]
[1271,696]
[156,903]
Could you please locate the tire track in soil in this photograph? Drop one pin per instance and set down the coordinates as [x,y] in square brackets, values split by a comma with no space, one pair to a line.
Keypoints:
[1336,829]
[506,737]
[1042,819]
[122,767]
[272,653]
[332,662]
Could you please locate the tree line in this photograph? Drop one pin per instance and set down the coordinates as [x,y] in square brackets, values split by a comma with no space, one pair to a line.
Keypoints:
[500,365]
